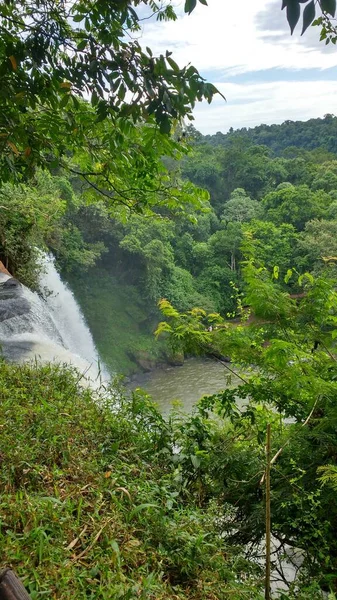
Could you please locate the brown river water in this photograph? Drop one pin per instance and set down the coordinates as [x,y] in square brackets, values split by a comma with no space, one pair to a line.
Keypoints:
[196,378]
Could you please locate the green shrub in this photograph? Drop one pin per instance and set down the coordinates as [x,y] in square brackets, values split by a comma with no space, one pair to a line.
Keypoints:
[91,501]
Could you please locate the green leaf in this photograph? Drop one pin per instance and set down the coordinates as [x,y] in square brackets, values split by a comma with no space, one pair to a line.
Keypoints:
[190,6]
[75,102]
[102,111]
[64,100]
[165,125]
[94,98]
[293,14]
[173,64]
[288,276]
[142,507]
[81,45]
[195,461]
[203,2]
[329,6]
[308,15]
[52,499]
[121,92]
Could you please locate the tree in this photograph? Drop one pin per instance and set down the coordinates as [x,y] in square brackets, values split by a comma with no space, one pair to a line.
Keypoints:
[53,54]
[149,243]
[47,215]
[271,245]
[295,205]
[291,139]
[326,177]
[244,167]
[241,208]
[203,169]
[317,245]
[29,216]
[225,245]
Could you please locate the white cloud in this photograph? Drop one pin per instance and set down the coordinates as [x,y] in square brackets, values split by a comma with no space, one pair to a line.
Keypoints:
[251,104]
[225,36]
[230,38]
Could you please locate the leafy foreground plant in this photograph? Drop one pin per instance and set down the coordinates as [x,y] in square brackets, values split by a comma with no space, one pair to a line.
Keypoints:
[93,504]
[291,341]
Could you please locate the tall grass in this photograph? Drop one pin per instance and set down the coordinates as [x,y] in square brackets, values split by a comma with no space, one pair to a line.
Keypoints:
[91,500]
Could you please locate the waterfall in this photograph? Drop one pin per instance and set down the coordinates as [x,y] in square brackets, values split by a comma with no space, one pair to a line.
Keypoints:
[66,313]
[51,330]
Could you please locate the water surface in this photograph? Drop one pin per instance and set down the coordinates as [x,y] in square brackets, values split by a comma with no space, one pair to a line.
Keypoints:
[196,378]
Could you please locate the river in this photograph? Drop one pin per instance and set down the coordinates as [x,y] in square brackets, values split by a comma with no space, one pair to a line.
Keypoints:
[196,378]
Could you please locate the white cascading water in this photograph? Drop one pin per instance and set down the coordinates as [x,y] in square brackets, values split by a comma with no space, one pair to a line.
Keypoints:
[66,313]
[48,331]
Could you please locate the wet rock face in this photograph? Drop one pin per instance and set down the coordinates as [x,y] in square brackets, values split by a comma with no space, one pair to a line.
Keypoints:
[12,302]
[14,351]
[176,359]
[144,360]
[32,330]
[11,283]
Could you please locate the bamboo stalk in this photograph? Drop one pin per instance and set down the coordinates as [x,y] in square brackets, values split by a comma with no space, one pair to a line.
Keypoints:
[275,457]
[268,519]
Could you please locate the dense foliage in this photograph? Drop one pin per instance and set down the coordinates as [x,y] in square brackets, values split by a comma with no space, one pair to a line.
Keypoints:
[283,139]
[291,344]
[98,506]
[54,54]
[188,249]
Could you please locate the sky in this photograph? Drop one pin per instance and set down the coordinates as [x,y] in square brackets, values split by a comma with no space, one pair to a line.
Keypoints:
[245,48]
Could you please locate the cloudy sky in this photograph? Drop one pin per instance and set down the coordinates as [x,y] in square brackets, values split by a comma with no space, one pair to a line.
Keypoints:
[245,48]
